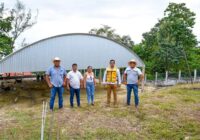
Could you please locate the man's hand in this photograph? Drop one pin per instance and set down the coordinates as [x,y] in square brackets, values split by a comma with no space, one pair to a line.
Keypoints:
[81,86]
[125,83]
[50,85]
[68,87]
[138,83]
[64,84]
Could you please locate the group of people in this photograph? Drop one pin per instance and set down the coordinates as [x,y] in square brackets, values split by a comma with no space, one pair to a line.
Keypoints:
[57,79]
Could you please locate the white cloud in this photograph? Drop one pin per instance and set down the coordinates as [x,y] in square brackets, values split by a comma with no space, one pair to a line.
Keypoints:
[128,17]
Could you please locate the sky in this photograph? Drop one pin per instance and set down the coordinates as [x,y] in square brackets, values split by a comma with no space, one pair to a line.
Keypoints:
[127,17]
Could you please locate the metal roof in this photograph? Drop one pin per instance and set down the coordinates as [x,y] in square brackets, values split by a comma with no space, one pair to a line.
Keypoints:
[81,48]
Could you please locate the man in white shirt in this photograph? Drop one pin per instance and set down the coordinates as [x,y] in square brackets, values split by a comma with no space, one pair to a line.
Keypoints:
[132,77]
[111,79]
[74,83]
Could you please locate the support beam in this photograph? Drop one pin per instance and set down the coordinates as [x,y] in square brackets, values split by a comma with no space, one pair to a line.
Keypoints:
[100,76]
[95,72]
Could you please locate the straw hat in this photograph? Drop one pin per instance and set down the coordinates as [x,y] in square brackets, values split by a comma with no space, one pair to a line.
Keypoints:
[56,59]
[132,60]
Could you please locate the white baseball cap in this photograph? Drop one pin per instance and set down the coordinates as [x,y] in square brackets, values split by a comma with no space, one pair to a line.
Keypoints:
[56,59]
[132,60]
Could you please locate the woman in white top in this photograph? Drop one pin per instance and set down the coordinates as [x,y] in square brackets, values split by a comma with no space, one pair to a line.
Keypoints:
[89,84]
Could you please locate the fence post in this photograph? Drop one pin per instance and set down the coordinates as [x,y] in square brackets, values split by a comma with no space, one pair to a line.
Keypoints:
[166,76]
[156,78]
[143,72]
[95,72]
[99,75]
[179,75]
[145,78]
[195,75]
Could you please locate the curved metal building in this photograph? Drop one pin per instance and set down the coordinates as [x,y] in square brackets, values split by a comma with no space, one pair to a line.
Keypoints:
[83,49]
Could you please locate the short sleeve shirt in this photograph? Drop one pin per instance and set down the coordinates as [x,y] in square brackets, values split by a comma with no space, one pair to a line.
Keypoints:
[132,75]
[56,75]
[74,79]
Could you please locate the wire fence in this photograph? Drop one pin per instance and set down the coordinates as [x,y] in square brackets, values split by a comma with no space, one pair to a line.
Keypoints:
[172,78]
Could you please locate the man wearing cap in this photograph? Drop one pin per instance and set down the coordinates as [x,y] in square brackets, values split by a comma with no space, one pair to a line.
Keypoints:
[56,80]
[132,77]
[112,79]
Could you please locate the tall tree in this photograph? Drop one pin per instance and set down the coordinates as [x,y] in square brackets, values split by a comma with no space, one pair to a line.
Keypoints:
[175,35]
[5,28]
[108,32]
[171,41]
[13,22]
[23,19]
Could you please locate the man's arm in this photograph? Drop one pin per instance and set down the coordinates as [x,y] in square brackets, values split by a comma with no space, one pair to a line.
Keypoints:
[68,81]
[48,81]
[65,79]
[82,83]
[68,84]
[118,77]
[140,76]
[48,73]
[81,80]
[104,77]
[125,78]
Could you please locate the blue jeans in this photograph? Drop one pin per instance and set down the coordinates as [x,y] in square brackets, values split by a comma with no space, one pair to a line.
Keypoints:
[135,91]
[90,92]
[77,92]
[60,91]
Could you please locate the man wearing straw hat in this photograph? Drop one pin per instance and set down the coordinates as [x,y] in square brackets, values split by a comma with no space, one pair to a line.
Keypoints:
[56,80]
[132,78]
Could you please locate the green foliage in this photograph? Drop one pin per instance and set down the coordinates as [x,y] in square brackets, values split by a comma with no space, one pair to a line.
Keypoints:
[170,43]
[13,22]
[5,28]
[107,31]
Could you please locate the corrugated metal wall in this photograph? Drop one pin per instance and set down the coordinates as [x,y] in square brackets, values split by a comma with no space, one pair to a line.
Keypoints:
[83,49]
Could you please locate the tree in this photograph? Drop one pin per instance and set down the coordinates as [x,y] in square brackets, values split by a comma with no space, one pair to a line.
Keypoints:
[13,23]
[175,34]
[23,19]
[108,32]
[5,28]
[171,41]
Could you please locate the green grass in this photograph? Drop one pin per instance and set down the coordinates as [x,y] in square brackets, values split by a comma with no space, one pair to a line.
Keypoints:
[169,114]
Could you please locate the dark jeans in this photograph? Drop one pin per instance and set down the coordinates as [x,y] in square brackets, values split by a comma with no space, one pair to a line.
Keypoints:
[72,92]
[133,87]
[60,91]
